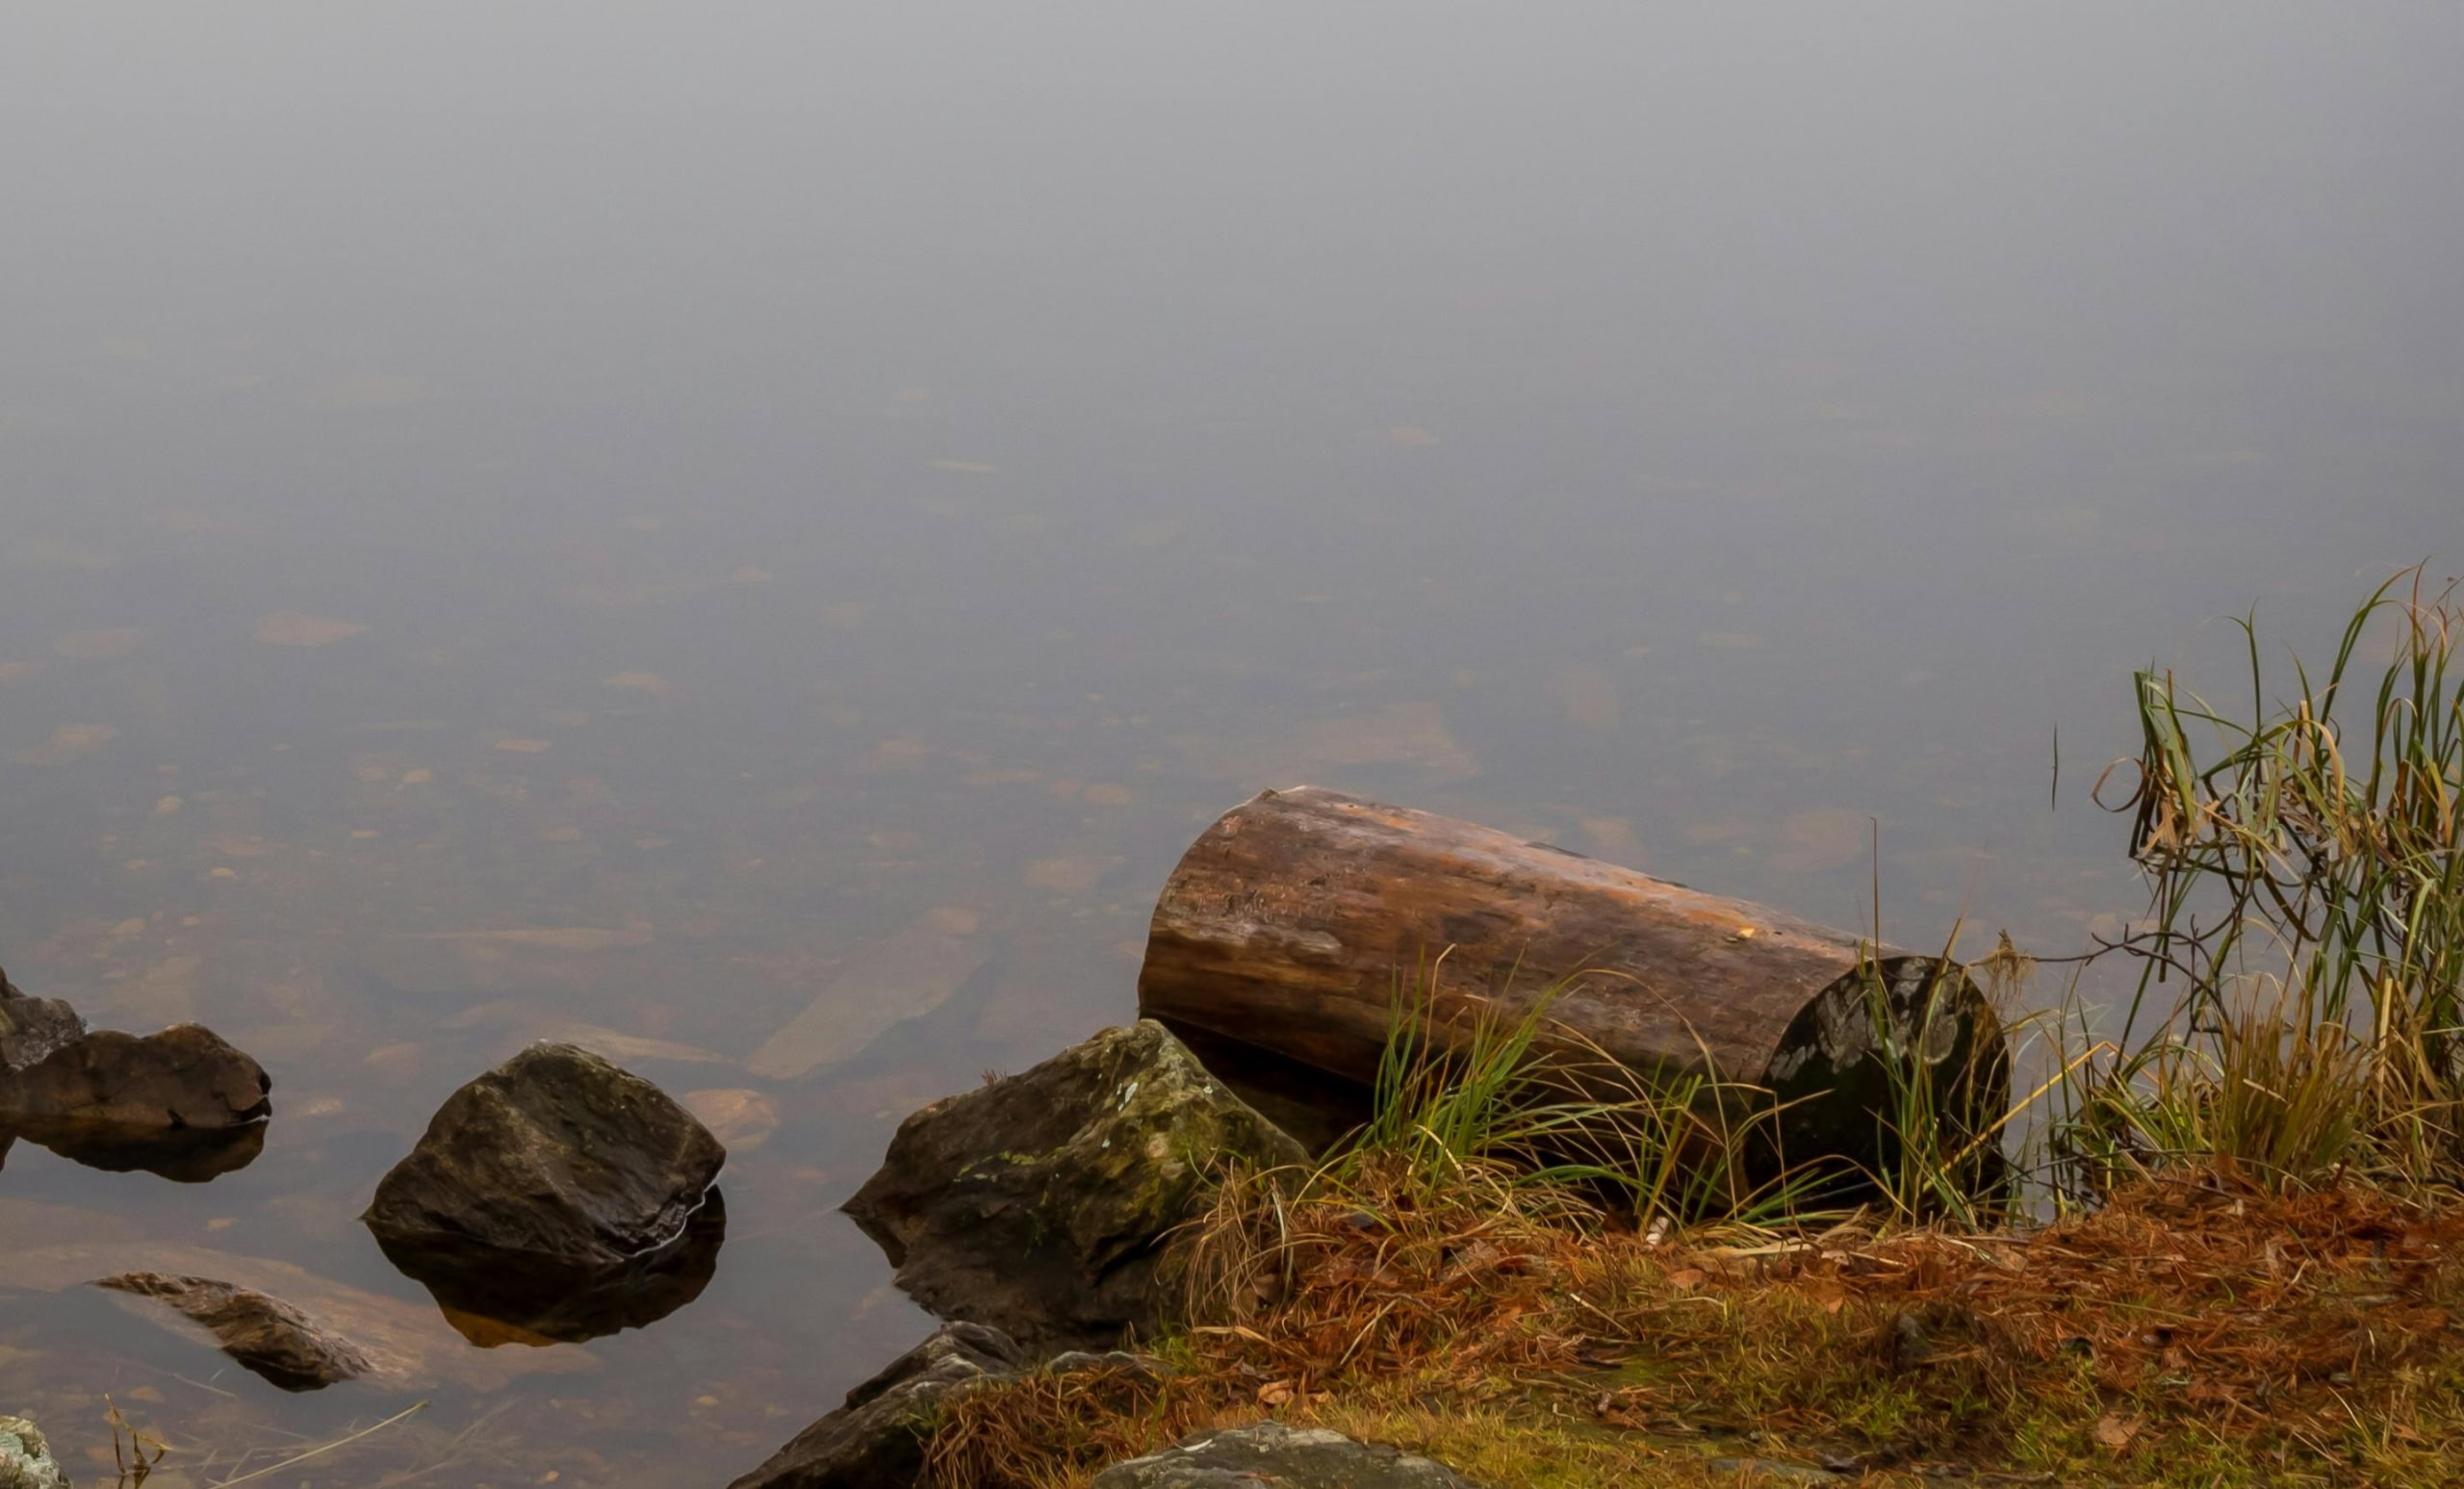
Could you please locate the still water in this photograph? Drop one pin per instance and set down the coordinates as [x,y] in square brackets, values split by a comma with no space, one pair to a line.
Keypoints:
[753,539]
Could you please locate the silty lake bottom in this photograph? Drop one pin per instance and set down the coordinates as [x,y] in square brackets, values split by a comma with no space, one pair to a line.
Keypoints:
[754,545]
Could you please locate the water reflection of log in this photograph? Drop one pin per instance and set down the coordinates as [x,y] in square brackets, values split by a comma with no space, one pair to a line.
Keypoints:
[1294,922]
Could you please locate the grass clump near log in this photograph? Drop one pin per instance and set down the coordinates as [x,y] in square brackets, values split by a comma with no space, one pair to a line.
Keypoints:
[2224,1245]
[2307,919]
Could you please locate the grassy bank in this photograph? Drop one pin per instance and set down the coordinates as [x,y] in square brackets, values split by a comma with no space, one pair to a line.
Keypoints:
[2223,1245]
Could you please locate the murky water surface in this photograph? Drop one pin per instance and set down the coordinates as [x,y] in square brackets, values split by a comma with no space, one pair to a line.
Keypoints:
[752,540]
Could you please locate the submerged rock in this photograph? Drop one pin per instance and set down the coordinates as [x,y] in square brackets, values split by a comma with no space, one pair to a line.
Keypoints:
[1039,1203]
[1271,1452]
[410,1347]
[32,1028]
[877,1440]
[268,1336]
[552,1183]
[25,1458]
[181,1103]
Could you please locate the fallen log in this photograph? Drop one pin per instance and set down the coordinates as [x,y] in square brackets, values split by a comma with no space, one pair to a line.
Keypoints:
[1295,923]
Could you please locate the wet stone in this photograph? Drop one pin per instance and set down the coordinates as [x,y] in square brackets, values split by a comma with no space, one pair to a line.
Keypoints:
[185,1077]
[557,1192]
[32,1028]
[25,1458]
[271,1337]
[877,1440]
[1271,1452]
[1040,1204]
[181,1103]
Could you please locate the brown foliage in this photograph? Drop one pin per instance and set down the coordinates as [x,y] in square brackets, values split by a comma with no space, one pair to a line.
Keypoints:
[2197,1304]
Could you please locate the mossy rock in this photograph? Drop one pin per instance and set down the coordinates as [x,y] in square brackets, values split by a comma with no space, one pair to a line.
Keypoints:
[1271,1452]
[1040,1204]
[877,1440]
[25,1458]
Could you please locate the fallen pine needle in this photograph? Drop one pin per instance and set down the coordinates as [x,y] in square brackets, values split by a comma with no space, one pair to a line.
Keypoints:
[340,1442]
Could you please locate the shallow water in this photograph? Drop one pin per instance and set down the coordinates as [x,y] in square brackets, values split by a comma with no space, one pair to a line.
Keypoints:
[755,542]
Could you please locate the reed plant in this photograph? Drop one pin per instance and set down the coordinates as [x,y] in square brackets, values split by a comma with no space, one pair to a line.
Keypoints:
[2299,1007]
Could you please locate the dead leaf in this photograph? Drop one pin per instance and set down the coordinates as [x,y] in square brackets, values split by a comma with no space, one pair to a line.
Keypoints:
[1589,697]
[1073,875]
[94,645]
[1825,838]
[68,742]
[2114,1433]
[371,390]
[548,937]
[1408,734]
[290,627]
[1613,838]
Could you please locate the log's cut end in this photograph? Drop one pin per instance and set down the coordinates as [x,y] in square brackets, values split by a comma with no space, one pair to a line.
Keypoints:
[1902,1041]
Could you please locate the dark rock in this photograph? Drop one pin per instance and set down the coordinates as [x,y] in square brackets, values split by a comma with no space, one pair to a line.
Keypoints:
[548,1187]
[1270,1453]
[181,1103]
[266,1334]
[877,1440]
[25,1458]
[185,1077]
[32,1028]
[1039,1204]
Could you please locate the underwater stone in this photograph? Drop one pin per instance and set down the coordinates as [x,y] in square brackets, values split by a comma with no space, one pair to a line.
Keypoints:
[271,1337]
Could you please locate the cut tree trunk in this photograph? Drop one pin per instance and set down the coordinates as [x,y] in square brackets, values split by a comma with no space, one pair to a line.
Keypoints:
[1300,920]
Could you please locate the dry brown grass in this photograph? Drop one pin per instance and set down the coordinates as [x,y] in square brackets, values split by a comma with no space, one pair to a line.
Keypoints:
[2194,1330]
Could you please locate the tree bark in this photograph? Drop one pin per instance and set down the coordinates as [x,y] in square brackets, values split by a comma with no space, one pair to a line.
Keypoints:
[1299,920]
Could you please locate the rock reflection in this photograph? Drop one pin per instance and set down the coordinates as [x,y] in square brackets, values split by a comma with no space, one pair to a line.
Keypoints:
[496,1297]
[189,1155]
